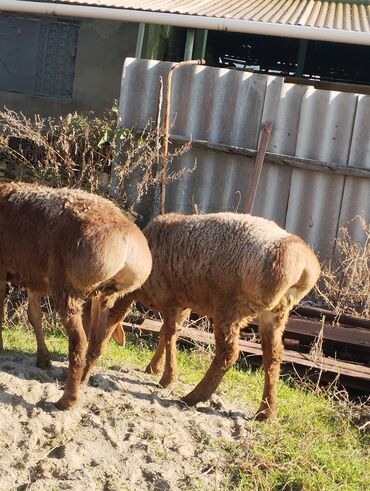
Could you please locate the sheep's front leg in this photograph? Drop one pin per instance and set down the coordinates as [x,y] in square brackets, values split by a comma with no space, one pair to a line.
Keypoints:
[169,375]
[227,352]
[71,316]
[166,349]
[156,364]
[2,301]
[35,317]
[272,325]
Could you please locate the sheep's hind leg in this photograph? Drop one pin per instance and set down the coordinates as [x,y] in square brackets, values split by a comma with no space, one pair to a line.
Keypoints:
[227,352]
[71,315]
[35,317]
[272,325]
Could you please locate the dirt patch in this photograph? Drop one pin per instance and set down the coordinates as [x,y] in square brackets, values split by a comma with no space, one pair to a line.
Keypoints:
[127,433]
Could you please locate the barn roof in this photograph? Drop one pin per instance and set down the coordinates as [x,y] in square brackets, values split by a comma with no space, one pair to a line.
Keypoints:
[333,14]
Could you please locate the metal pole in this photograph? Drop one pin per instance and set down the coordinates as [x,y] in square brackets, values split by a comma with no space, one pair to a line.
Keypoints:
[167,125]
[189,21]
[266,132]
[303,44]
[140,40]
[189,44]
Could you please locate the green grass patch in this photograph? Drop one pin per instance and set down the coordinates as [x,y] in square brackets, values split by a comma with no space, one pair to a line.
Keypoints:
[312,445]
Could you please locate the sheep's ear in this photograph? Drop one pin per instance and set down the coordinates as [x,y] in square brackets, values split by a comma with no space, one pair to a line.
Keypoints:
[119,335]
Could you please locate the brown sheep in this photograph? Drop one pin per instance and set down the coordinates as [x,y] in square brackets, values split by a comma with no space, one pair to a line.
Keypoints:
[70,244]
[230,267]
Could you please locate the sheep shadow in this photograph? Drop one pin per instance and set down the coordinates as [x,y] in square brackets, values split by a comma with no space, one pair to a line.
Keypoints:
[15,400]
[23,366]
[12,400]
[208,410]
[165,402]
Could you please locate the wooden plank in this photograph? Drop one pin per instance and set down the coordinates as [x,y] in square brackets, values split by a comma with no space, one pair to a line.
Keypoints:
[248,348]
[330,316]
[298,328]
[308,330]
[296,162]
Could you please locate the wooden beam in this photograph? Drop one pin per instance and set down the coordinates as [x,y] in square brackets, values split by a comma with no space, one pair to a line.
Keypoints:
[345,320]
[309,330]
[356,338]
[253,350]
[297,162]
[258,165]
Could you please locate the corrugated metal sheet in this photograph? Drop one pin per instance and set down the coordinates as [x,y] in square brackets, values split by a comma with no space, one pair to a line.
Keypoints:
[323,134]
[228,106]
[356,194]
[351,16]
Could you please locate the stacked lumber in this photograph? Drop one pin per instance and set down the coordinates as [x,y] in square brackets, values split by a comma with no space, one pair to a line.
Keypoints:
[354,375]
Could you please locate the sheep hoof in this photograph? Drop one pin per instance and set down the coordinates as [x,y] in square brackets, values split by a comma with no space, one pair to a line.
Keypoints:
[264,414]
[66,403]
[153,369]
[43,363]
[86,377]
[189,401]
[166,382]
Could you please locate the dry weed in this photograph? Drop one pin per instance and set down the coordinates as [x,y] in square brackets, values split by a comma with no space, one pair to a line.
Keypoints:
[81,150]
[15,310]
[344,284]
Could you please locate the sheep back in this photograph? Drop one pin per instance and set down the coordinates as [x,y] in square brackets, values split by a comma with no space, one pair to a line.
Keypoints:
[200,260]
[86,233]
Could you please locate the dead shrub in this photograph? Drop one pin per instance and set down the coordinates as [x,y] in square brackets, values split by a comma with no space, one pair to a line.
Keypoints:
[344,283]
[84,151]
[81,151]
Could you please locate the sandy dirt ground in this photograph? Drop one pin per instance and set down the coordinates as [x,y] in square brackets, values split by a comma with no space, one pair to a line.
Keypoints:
[126,434]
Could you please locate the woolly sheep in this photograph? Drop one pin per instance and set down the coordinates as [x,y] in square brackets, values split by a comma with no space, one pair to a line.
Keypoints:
[230,267]
[70,245]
